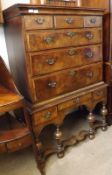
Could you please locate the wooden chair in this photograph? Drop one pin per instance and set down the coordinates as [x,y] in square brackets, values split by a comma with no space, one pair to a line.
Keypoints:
[14,135]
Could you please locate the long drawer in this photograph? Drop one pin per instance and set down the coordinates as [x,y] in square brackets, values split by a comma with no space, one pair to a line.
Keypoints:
[66,81]
[53,60]
[42,40]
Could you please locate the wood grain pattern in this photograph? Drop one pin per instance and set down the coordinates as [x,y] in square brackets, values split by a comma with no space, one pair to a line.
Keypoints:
[53,60]
[73,79]
[62,66]
[62,38]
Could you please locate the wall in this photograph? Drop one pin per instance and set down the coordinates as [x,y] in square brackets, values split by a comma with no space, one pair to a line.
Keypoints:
[3,49]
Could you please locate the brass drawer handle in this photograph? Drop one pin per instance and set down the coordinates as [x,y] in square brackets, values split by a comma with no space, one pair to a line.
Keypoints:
[99,93]
[52,84]
[89,54]
[71,52]
[93,20]
[48,40]
[47,115]
[72,73]
[89,74]
[89,35]
[50,61]
[71,34]
[69,20]
[20,144]
[77,100]
[39,20]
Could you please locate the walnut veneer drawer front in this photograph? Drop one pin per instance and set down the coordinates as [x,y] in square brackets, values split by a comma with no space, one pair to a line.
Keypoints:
[92,21]
[75,102]
[41,40]
[68,21]
[19,143]
[54,60]
[67,80]
[38,22]
[44,116]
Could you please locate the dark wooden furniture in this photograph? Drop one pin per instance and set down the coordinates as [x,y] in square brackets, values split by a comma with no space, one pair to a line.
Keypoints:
[104,4]
[1,16]
[13,135]
[56,60]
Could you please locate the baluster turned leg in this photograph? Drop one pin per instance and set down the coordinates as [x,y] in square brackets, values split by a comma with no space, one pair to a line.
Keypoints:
[91,120]
[60,148]
[104,113]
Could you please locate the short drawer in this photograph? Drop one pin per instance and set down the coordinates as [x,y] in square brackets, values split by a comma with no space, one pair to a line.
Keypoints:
[68,80]
[19,143]
[38,22]
[75,102]
[99,94]
[3,148]
[44,116]
[43,40]
[68,21]
[93,21]
[50,61]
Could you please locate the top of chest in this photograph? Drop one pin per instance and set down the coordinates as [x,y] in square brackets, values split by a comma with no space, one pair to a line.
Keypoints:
[26,9]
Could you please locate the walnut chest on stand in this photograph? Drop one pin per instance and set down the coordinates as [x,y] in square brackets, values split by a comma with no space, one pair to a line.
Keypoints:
[56,60]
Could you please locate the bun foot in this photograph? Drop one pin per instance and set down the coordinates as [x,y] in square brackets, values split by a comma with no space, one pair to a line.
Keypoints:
[60,155]
[91,137]
[104,128]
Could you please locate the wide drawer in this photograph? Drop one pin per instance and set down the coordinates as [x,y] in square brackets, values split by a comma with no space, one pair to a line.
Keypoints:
[75,102]
[62,21]
[50,61]
[38,22]
[19,143]
[93,21]
[41,40]
[68,80]
[44,116]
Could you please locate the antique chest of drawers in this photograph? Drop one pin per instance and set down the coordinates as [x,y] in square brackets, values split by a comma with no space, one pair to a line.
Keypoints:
[56,59]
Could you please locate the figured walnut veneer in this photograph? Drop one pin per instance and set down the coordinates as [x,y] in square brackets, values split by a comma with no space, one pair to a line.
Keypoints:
[56,59]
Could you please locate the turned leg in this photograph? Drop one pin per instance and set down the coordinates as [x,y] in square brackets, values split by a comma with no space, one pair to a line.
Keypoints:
[104,113]
[60,148]
[91,120]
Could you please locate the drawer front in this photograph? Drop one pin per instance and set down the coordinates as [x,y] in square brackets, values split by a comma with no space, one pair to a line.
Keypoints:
[51,61]
[44,116]
[42,40]
[93,21]
[68,80]
[75,102]
[68,21]
[19,143]
[99,94]
[38,22]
